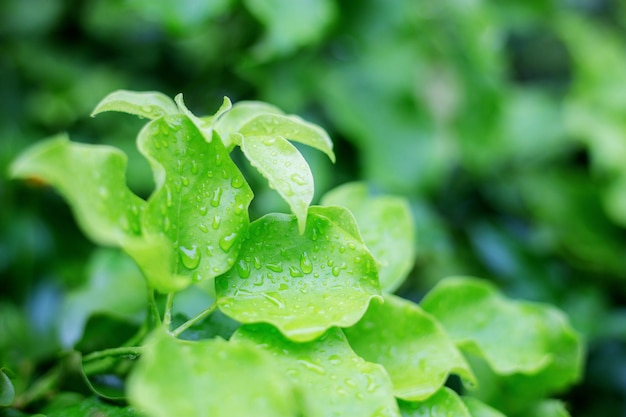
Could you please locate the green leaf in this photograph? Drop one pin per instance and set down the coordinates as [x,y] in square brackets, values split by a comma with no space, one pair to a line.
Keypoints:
[479,409]
[330,378]
[228,125]
[115,286]
[411,345]
[386,225]
[289,127]
[548,408]
[514,337]
[92,180]
[302,284]
[7,392]
[151,105]
[443,403]
[286,170]
[204,124]
[92,406]
[197,215]
[208,378]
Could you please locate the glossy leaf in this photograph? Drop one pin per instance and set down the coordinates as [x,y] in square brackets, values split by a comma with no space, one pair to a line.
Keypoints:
[443,403]
[289,127]
[411,345]
[242,112]
[203,124]
[151,105]
[209,378]
[7,391]
[92,180]
[200,203]
[386,225]
[92,406]
[286,170]
[330,378]
[512,336]
[302,284]
[115,286]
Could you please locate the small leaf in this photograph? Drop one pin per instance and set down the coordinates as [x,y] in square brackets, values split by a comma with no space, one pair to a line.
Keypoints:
[512,336]
[479,409]
[331,379]
[302,284]
[289,127]
[205,124]
[286,170]
[229,124]
[443,403]
[386,225]
[151,105]
[411,345]
[7,392]
[92,180]
[209,378]
[199,207]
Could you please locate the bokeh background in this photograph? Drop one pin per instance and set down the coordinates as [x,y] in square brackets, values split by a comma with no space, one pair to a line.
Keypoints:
[502,122]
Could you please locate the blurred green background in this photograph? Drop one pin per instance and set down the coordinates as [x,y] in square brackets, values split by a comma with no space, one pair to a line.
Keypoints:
[503,123]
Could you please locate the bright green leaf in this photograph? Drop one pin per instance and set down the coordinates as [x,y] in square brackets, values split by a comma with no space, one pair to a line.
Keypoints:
[512,336]
[92,179]
[303,284]
[286,170]
[7,392]
[115,286]
[386,225]
[228,125]
[444,403]
[411,345]
[151,105]
[204,124]
[289,127]
[209,378]
[92,406]
[479,409]
[340,216]
[331,379]
[200,205]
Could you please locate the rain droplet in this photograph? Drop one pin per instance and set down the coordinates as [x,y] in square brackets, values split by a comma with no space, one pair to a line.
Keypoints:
[203,210]
[305,263]
[168,196]
[146,109]
[217,196]
[203,227]
[237,181]
[295,272]
[351,245]
[260,280]
[243,269]
[312,366]
[209,174]
[239,208]
[226,242]
[269,141]
[257,262]
[334,359]
[190,257]
[184,180]
[166,223]
[298,179]
[276,267]
[217,220]
[218,159]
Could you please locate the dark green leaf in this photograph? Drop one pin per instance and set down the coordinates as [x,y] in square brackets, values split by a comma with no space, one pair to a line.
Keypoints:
[93,407]
[7,392]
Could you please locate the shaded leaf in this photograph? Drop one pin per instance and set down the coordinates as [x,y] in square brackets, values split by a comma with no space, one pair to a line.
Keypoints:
[330,378]
[7,392]
[386,225]
[92,406]
[92,180]
[151,105]
[285,169]
[514,337]
[302,284]
[208,378]
[411,345]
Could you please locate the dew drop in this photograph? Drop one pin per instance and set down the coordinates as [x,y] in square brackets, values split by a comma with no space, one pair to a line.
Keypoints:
[184,180]
[276,267]
[334,359]
[243,269]
[209,174]
[312,366]
[218,159]
[203,210]
[217,220]
[298,179]
[336,270]
[217,196]
[269,141]
[239,208]
[168,197]
[194,167]
[226,242]
[295,272]
[257,262]
[305,263]
[237,181]
[146,109]
[190,257]
[351,245]
[166,223]
[203,228]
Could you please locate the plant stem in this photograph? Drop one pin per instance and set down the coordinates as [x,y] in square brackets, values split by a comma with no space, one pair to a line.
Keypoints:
[167,316]
[119,351]
[154,309]
[206,312]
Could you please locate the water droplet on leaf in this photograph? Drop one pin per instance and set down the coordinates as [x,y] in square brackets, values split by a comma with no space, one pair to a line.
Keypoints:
[305,263]
[227,242]
[243,269]
[190,257]
[217,196]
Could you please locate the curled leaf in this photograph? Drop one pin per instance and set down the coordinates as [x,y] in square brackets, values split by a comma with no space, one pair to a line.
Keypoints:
[150,104]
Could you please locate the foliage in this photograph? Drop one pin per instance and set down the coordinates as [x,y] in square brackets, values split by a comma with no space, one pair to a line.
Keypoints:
[319,334]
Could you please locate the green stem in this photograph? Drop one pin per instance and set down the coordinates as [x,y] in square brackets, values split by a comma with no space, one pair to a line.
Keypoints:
[206,312]
[119,351]
[167,316]
[154,309]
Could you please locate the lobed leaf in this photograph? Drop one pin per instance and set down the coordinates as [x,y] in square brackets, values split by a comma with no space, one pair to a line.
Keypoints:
[530,340]
[92,180]
[443,403]
[197,216]
[411,345]
[151,105]
[286,170]
[331,380]
[302,284]
[386,225]
[209,378]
